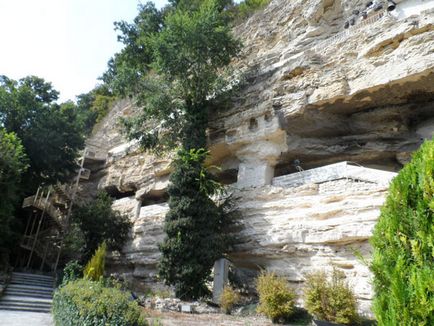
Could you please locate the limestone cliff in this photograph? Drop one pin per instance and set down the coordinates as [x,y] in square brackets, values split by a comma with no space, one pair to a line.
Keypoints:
[314,94]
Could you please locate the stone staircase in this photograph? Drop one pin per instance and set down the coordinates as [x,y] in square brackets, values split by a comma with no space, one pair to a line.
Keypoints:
[28,292]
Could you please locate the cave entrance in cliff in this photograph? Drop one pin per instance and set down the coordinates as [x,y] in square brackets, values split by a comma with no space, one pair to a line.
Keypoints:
[154,197]
[227,177]
[116,194]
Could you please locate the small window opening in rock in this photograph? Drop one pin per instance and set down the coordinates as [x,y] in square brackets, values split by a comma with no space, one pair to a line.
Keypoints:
[152,199]
[268,117]
[116,194]
[253,124]
[228,177]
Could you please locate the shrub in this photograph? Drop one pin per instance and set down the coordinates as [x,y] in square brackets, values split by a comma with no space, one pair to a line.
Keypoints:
[88,303]
[276,299]
[94,269]
[244,9]
[248,7]
[228,299]
[72,271]
[331,300]
[403,243]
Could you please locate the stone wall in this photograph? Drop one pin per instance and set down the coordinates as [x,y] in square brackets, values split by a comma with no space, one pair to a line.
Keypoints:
[312,94]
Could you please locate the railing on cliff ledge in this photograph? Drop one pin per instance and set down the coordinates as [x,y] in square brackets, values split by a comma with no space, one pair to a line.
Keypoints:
[342,170]
[343,35]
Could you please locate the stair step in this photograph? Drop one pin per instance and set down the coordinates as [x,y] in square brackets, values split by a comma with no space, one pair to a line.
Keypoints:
[33,276]
[30,287]
[30,295]
[25,304]
[29,279]
[31,290]
[30,309]
[28,282]
[31,284]
[13,298]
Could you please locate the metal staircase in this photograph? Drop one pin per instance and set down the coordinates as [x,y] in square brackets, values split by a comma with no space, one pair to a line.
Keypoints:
[49,212]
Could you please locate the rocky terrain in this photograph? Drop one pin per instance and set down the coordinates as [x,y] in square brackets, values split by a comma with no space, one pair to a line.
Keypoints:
[313,94]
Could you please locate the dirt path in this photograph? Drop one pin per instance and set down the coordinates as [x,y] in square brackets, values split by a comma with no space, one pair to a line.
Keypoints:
[180,319]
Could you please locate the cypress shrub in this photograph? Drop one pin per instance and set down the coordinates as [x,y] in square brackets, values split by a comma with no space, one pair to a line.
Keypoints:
[403,242]
[88,303]
[94,269]
[193,226]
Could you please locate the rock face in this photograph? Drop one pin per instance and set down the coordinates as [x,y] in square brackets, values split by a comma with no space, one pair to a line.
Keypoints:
[313,94]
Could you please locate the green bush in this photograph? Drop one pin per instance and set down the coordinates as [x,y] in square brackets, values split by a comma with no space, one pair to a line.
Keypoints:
[248,7]
[331,300]
[228,298]
[276,299]
[403,242]
[72,271]
[241,11]
[88,303]
[94,269]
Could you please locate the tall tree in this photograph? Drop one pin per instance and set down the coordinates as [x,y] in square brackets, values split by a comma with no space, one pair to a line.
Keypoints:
[13,163]
[49,132]
[99,223]
[403,242]
[179,85]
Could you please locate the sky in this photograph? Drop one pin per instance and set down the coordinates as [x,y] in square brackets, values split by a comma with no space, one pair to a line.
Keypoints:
[66,42]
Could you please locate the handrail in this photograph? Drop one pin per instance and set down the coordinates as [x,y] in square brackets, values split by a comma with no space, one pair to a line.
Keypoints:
[341,36]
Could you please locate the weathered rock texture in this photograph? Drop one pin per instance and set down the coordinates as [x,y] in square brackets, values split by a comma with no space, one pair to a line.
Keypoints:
[312,92]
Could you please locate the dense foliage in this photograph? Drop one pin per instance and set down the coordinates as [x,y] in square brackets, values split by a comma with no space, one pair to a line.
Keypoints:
[49,132]
[403,242]
[99,223]
[276,298]
[174,59]
[72,271]
[94,269]
[246,8]
[93,106]
[13,163]
[330,299]
[85,302]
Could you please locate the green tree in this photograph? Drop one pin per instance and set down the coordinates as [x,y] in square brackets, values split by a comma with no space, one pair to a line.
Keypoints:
[93,106]
[99,223]
[403,242]
[13,163]
[48,131]
[179,84]
[126,70]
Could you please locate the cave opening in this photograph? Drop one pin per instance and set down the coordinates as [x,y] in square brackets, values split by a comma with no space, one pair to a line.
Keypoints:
[115,193]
